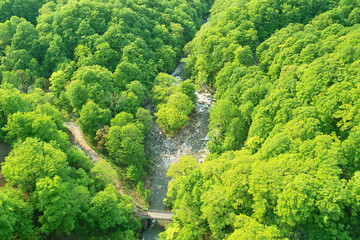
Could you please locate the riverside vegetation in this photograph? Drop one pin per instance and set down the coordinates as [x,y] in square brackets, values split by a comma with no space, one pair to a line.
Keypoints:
[284,131]
[96,61]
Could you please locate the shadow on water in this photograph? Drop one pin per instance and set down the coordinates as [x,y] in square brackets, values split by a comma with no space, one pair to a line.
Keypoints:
[4,151]
[152,232]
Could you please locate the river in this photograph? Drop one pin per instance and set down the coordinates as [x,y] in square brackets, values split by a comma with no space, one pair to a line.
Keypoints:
[164,150]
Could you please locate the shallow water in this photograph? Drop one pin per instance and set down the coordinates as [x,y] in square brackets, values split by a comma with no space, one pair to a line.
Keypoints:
[164,150]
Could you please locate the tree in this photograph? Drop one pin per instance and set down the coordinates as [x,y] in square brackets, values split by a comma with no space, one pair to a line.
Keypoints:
[171,119]
[31,160]
[125,147]
[126,73]
[122,119]
[35,124]
[19,60]
[20,79]
[105,56]
[77,94]
[24,37]
[188,88]
[78,159]
[248,228]
[54,197]
[58,82]
[17,214]
[166,58]
[113,142]
[27,9]
[125,144]
[221,115]
[173,115]
[52,112]
[11,101]
[90,83]
[138,89]
[104,174]
[92,118]
[228,130]
[55,55]
[126,101]
[143,120]
[109,210]
[8,29]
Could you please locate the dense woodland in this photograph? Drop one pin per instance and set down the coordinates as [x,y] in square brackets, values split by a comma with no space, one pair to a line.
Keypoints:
[98,62]
[284,130]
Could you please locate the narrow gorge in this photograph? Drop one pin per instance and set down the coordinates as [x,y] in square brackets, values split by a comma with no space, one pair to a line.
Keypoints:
[164,150]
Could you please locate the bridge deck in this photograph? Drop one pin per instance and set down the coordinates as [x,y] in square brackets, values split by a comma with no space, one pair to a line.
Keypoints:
[95,157]
[155,214]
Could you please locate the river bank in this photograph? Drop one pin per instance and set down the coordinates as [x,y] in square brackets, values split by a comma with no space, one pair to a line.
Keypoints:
[164,150]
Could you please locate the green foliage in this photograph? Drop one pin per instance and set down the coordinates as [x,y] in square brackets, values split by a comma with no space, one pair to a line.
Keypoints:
[90,83]
[16,215]
[54,197]
[188,88]
[108,210]
[125,147]
[171,119]
[174,114]
[31,160]
[144,120]
[78,159]
[138,89]
[126,101]
[35,124]
[248,228]
[283,130]
[103,174]
[228,129]
[11,101]
[52,112]
[164,87]
[145,193]
[91,58]
[58,82]
[122,119]
[27,9]
[92,118]
[126,73]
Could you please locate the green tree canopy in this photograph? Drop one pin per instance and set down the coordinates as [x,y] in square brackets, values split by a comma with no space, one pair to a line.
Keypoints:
[92,118]
[31,160]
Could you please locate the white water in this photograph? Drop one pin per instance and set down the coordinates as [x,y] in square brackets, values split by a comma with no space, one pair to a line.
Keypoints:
[163,150]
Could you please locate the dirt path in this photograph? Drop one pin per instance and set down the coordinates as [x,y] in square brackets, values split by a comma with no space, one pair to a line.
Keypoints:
[80,142]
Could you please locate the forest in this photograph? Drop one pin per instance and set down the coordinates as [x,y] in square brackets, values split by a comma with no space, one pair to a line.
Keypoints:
[98,62]
[284,159]
[284,130]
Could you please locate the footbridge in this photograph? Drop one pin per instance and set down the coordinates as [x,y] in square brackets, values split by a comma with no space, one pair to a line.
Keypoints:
[154,214]
[79,141]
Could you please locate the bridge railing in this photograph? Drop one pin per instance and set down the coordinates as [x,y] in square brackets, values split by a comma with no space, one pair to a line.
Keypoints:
[154,214]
